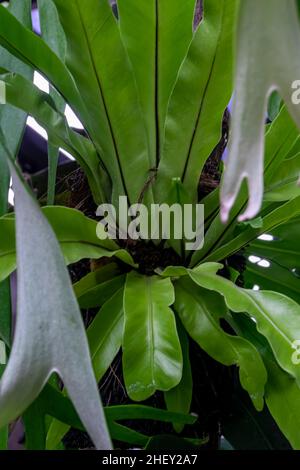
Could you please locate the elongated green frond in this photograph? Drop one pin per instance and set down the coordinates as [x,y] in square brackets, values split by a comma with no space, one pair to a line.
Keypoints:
[272,277]
[198,309]
[284,247]
[269,310]
[200,96]
[281,140]
[97,287]
[281,250]
[75,233]
[282,392]
[157,34]
[31,49]
[283,185]
[51,29]
[152,358]
[179,398]
[12,123]
[275,218]
[53,35]
[39,105]
[98,61]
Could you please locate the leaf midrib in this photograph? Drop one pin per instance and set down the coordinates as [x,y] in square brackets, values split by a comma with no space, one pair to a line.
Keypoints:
[203,98]
[156,84]
[114,141]
[151,336]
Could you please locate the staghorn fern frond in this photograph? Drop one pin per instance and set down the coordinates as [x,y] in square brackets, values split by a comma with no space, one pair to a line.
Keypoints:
[267,59]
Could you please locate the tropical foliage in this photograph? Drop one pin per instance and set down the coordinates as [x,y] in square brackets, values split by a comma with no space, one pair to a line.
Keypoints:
[150,86]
